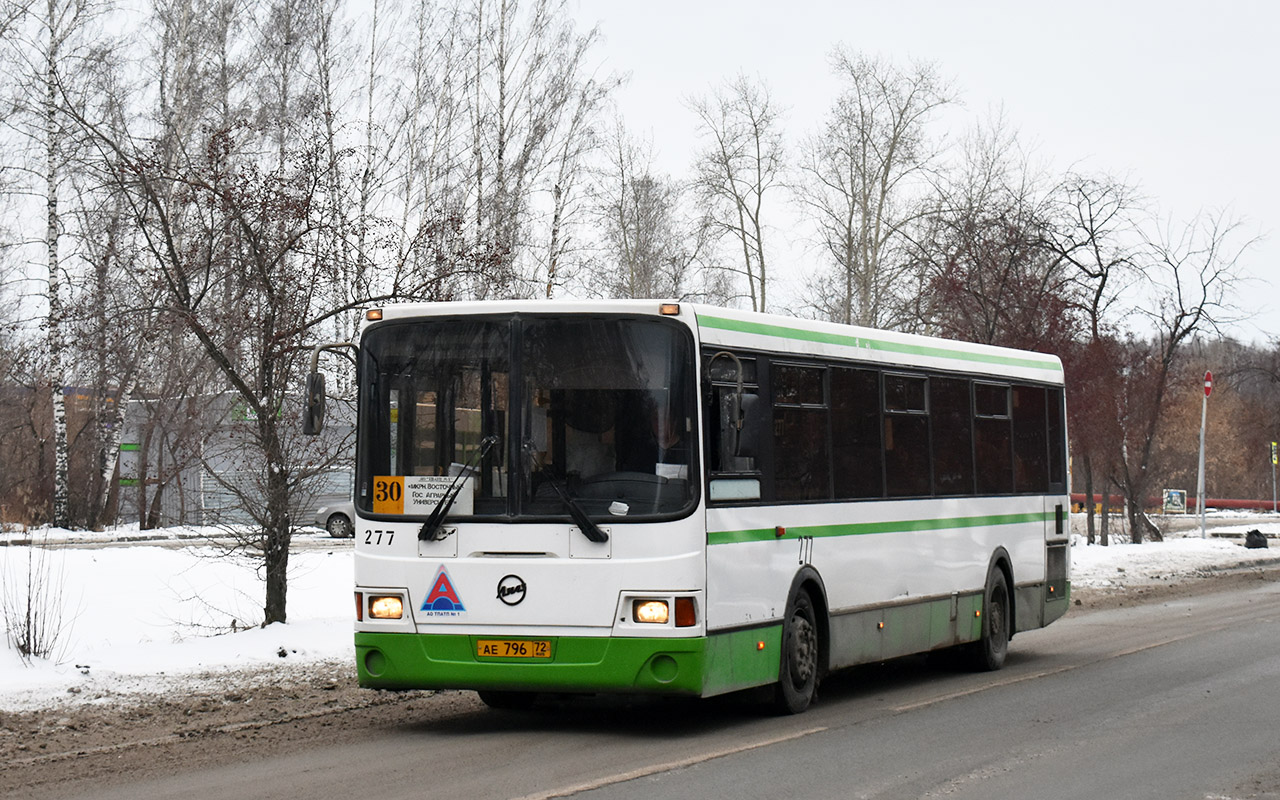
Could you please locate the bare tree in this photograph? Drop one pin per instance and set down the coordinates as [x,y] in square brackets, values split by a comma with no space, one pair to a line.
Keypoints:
[1193,271]
[741,162]
[47,43]
[1096,234]
[527,77]
[651,245]
[993,274]
[572,148]
[861,179]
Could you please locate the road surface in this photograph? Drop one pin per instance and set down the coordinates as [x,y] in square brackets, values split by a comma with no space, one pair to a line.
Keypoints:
[1173,699]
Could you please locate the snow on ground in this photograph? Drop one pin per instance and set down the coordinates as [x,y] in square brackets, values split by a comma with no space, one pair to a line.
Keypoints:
[173,614]
[1188,555]
[147,618]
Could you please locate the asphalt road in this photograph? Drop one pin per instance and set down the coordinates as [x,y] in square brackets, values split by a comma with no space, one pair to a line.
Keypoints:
[1170,700]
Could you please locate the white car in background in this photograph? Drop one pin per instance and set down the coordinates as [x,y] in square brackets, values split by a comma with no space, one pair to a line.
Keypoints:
[338,519]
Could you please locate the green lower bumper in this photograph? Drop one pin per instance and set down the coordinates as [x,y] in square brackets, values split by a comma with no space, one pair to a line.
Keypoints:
[699,666]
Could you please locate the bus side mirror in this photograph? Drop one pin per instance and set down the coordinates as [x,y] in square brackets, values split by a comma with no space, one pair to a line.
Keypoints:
[313,414]
[749,434]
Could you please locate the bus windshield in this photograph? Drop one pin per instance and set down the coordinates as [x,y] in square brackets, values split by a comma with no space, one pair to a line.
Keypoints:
[530,415]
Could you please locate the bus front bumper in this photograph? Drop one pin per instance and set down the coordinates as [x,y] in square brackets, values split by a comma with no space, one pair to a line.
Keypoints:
[696,666]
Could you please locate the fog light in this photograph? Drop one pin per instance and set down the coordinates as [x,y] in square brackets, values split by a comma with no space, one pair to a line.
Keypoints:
[386,607]
[654,611]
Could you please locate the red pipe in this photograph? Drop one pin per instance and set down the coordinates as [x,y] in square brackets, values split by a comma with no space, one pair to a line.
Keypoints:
[1117,501]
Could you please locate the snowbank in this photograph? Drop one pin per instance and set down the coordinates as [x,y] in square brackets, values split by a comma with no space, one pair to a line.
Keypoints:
[144,618]
[1153,562]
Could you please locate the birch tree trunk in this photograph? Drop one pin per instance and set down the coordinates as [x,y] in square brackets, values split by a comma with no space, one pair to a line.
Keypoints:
[54,323]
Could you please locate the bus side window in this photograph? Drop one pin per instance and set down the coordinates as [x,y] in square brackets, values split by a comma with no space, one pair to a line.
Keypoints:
[992,438]
[732,450]
[802,461]
[1057,442]
[1030,440]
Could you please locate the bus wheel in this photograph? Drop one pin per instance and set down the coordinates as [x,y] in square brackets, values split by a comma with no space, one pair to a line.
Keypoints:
[798,670]
[507,701]
[988,653]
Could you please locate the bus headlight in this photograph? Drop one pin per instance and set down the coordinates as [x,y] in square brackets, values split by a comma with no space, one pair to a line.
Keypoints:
[654,611]
[386,607]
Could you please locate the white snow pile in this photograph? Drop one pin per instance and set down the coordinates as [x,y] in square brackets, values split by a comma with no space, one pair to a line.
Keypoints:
[173,614]
[154,618]
[1178,556]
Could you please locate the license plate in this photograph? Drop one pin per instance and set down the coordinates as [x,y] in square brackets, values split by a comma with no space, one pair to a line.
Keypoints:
[513,648]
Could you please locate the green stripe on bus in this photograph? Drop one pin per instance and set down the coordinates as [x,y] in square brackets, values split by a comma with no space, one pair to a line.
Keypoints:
[130,446]
[881,345]
[869,528]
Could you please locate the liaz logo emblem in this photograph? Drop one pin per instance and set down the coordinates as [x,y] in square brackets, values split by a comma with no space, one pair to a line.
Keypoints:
[442,600]
[511,590]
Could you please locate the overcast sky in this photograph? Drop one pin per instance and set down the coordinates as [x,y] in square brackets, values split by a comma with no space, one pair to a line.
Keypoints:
[1178,97]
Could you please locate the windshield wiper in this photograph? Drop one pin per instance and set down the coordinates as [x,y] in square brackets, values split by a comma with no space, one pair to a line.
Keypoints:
[589,529]
[430,531]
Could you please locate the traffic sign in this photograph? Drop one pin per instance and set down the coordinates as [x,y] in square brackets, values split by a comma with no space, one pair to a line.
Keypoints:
[1273,454]
[1208,383]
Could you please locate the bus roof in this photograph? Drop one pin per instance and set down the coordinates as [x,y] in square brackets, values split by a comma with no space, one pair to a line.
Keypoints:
[771,332]
[777,333]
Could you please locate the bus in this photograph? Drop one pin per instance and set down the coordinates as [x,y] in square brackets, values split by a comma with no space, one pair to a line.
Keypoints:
[657,497]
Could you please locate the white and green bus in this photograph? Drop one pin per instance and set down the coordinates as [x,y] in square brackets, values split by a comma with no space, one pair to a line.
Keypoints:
[641,496]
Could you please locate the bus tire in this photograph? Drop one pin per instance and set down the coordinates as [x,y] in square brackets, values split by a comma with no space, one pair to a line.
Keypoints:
[988,653]
[798,668]
[507,701]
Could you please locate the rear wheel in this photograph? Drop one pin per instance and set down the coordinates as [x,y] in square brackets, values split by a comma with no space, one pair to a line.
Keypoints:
[798,670]
[507,701]
[988,653]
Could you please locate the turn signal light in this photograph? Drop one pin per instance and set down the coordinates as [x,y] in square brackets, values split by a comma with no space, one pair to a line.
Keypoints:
[386,607]
[359,606]
[686,616]
[654,611]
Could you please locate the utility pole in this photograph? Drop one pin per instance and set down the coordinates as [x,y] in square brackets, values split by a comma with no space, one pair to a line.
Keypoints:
[1273,477]
[1204,415]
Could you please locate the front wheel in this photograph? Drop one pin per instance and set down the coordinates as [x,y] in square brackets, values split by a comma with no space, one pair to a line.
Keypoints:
[988,653]
[798,670]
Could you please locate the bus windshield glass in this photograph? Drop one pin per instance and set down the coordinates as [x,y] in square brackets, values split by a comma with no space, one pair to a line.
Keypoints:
[524,416]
